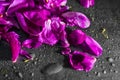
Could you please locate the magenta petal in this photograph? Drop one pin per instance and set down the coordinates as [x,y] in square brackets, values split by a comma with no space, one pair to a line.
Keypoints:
[49,4]
[27,25]
[12,39]
[19,4]
[87,43]
[37,16]
[25,54]
[81,61]
[32,43]
[66,51]
[47,34]
[76,37]
[76,19]
[87,3]
[91,46]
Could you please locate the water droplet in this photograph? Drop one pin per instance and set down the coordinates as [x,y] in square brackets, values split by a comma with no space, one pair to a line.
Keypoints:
[110,59]
[104,71]
[112,64]
[98,74]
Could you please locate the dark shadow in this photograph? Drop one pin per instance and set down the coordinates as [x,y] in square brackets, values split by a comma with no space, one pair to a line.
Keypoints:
[5,53]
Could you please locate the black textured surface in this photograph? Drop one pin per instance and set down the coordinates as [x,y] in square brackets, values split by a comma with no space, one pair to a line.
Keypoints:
[105,14]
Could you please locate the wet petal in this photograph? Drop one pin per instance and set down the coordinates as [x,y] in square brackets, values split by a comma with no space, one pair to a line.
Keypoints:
[19,4]
[32,42]
[47,34]
[85,42]
[37,16]
[81,61]
[25,54]
[76,19]
[27,25]
[76,37]
[91,46]
[12,39]
[52,4]
[87,3]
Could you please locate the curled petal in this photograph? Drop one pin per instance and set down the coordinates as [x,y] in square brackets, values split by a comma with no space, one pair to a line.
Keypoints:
[47,34]
[33,42]
[37,16]
[91,46]
[27,25]
[76,19]
[12,39]
[81,61]
[16,5]
[87,3]
[25,54]
[87,43]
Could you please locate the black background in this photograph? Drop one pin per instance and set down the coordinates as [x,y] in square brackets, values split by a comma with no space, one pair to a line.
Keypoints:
[105,14]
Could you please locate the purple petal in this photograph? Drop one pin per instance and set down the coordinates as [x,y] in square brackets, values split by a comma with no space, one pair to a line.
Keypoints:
[27,25]
[66,51]
[19,4]
[32,42]
[91,46]
[54,3]
[37,16]
[81,61]
[47,34]
[87,3]
[76,37]
[12,39]
[25,54]
[87,43]
[76,19]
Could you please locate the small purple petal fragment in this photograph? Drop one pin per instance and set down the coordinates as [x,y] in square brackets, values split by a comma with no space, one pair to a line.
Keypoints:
[32,42]
[87,3]
[76,19]
[12,39]
[66,51]
[25,54]
[81,61]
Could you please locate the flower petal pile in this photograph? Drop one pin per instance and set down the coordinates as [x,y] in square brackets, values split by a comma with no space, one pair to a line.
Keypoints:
[45,21]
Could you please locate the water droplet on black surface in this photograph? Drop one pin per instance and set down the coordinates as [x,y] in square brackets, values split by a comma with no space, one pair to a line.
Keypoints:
[104,71]
[110,59]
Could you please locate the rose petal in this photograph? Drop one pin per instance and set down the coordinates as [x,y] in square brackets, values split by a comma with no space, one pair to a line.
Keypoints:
[12,39]
[49,4]
[91,46]
[32,42]
[81,61]
[76,37]
[76,19]
[47,34]
[25,54]
[20,4]
[87,43]
[87,3]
